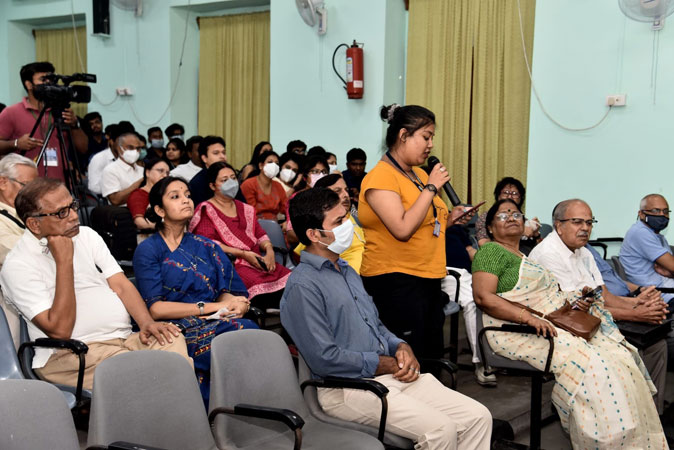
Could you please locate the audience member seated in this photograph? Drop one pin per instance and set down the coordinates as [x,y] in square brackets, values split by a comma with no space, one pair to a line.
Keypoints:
[645,253]
[102,159]
[233,226]
[513,189]
[175,130]
[335,325]
[123,176]
[563,253]
[298,147]
[211,150]
[459,253]
[354,254]
[15,172]
[154,170]
[194,165]
[356,159]
[186,279]
[62,278]
[262,193]
[175,153]
[156,139]
[331,158]
[92,125]
[313,169]
[604,375]
[290,165]
[251,169]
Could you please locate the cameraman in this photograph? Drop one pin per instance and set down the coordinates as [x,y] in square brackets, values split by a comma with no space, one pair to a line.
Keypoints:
[17,121]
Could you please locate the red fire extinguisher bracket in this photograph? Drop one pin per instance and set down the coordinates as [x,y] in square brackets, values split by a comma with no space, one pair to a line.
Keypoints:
[353,84]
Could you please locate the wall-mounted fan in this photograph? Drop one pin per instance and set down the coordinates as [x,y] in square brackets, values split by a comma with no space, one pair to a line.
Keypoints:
[130,5]
[651,11]
[313,12]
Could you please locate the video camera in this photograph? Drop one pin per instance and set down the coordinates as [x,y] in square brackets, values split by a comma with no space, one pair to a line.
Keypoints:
[57,95]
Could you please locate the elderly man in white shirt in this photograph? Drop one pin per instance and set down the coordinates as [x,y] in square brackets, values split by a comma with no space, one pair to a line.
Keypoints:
[95,307]
[123,176]
[564,254]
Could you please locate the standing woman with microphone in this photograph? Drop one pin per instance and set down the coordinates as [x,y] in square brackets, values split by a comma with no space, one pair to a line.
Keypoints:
[404,222]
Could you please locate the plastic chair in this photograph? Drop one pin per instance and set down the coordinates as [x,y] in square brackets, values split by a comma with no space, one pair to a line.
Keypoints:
[275,234]
[618,267]
[150,397]
[492,361]
[545,230]
[252,370]
[34,415]
[452,309]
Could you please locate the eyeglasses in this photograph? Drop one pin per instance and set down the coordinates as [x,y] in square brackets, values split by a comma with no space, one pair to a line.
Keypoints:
[654,211]
[317,171]
[17,181]
[510,193]
[577,221]
[502,217]
[63,212]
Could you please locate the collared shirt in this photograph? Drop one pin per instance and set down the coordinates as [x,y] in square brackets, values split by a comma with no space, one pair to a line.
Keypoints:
[199,188]
[640,249]
[28,279]
[573,270]
[614,284]
[186,171]
[96,166]
[10,231]
[19,119]
[333,320]
[118,176]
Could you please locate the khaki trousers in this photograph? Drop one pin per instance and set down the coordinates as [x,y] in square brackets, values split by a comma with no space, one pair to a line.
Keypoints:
[62,366]
[425,411]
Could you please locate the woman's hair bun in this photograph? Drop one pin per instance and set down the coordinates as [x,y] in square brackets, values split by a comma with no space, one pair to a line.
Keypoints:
[386,112]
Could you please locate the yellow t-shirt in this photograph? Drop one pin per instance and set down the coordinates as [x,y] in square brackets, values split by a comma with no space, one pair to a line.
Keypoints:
[424,254]
[354,254]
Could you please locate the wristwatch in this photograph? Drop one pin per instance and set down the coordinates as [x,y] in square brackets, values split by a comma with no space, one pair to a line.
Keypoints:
[432,188]
[201,308]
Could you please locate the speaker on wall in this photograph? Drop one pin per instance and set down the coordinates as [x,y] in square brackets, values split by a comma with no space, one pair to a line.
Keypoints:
[101,12]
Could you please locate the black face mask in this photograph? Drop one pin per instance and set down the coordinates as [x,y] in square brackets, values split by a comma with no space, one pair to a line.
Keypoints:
[656,223]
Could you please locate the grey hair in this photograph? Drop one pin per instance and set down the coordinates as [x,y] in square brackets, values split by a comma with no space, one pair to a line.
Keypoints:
[644,201]
[559,211]
[121,137]
[9,162]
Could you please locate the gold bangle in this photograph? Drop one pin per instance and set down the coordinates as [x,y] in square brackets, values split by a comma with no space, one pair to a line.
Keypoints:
[520,318]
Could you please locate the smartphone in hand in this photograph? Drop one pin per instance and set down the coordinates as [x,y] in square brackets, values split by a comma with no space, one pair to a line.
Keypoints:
[262,264]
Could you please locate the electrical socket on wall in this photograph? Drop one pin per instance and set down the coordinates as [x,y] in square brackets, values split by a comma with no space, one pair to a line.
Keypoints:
[616,100]
[124,91]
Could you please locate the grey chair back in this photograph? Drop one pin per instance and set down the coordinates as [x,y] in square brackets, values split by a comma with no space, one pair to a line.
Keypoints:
[34,415]
[275,234]
[546,229]
[255,367]
[311,398]
[618,267]
[148,397]
[9,362]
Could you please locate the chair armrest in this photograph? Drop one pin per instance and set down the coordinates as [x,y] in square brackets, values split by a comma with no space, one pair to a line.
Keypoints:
[514,328]
[291,419]
[441,364]
[456,275]
[363,384]
[255,314]
[77,347]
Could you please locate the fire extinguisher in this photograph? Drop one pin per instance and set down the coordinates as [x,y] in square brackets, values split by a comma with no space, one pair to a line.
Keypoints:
[354,69]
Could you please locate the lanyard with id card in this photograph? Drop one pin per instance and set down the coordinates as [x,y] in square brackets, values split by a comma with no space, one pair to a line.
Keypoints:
[420,185]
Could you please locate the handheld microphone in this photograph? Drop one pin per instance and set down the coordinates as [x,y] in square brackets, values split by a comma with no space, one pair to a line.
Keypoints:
[449,190]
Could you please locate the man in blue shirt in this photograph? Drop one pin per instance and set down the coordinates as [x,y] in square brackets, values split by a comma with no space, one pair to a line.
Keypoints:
[336,328]
[645,253]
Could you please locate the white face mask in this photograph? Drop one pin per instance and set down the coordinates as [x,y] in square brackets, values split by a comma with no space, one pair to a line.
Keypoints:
[332,168]
[130,156]
[157,143]
[179,136]
[229,188]
[287,175]
[314,177]
[343,237]
[270,169]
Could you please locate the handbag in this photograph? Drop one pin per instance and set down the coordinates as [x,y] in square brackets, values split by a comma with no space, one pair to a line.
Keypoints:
[577,322]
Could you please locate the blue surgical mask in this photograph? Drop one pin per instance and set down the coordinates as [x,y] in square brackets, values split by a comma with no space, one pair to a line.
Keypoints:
[229,188]
[656,223]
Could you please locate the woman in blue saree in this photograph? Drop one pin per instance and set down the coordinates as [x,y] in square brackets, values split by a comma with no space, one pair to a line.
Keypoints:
[185,278]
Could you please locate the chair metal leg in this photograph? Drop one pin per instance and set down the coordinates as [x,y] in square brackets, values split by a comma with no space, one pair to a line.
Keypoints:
[454,338]
[535,421]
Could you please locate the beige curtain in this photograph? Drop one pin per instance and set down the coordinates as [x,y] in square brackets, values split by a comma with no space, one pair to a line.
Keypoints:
[59,48]
[465,63]
[234,82]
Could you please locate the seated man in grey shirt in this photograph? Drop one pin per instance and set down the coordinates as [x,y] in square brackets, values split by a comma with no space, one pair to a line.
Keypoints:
[336,328]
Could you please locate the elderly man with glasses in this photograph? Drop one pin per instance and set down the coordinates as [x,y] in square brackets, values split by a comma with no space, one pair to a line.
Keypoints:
[95,306]
[563,253]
